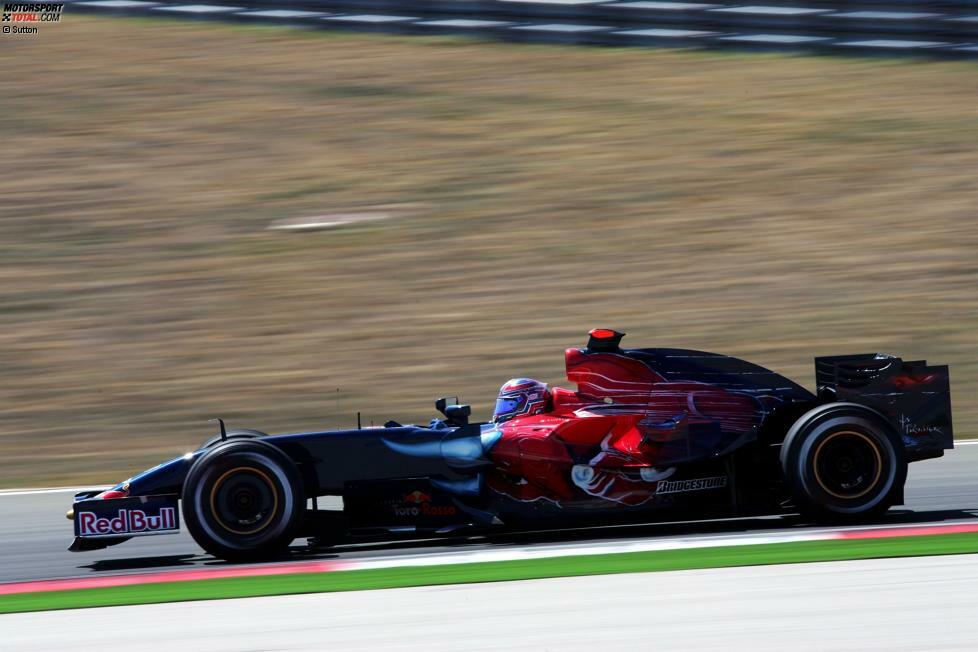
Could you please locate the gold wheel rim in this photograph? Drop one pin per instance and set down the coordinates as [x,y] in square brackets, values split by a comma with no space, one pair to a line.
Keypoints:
[873,446]
[247,469]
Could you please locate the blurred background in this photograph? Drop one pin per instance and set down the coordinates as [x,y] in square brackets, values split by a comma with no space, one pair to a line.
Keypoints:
[771,207]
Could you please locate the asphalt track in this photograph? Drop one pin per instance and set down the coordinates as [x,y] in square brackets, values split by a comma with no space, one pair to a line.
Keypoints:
[34,533]
[917,603]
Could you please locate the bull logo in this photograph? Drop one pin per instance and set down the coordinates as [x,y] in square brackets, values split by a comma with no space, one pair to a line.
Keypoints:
[417,497]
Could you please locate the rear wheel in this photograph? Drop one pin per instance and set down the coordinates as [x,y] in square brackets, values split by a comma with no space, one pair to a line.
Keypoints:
[842,463]
[243,500]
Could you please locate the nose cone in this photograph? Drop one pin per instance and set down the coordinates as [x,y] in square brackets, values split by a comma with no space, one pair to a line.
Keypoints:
[70,514]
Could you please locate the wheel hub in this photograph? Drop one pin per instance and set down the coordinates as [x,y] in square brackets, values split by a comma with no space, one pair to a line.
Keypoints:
[848,464]
[243,500]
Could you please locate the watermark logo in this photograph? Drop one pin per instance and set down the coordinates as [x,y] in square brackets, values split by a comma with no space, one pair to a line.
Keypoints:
[16,14]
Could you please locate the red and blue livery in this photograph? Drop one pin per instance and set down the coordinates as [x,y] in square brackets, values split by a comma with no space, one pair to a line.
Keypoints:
[647,434]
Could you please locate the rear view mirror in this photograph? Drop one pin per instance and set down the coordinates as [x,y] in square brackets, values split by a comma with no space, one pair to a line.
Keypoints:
[458,414]
[442,404]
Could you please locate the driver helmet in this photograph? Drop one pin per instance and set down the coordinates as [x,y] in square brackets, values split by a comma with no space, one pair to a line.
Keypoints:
[521,396]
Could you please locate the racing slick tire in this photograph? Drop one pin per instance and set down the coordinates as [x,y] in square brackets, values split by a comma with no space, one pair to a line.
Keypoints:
[238,433]
[842,463]
[243,500]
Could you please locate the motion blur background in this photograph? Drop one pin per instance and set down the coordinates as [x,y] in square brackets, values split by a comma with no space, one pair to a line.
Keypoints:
[768,206]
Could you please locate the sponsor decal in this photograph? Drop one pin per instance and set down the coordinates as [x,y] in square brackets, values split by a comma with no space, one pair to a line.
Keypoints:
[127,521]
[418,503]
[417,497]
[697,484]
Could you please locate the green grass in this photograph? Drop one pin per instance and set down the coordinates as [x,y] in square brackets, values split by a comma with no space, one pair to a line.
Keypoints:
[386,578]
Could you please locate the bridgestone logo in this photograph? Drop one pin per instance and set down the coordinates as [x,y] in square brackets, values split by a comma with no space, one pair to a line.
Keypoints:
[699,484]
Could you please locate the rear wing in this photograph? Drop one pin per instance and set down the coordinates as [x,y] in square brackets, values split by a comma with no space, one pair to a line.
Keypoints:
[915,397]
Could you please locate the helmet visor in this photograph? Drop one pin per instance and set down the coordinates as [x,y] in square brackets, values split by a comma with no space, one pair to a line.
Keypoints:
[507,407]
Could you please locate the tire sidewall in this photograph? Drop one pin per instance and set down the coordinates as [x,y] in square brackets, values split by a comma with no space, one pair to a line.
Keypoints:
[199,486]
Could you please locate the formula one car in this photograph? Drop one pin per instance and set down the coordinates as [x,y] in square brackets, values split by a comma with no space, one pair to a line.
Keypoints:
[649,434]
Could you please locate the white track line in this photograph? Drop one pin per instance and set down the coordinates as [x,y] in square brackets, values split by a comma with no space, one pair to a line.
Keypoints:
[486,556]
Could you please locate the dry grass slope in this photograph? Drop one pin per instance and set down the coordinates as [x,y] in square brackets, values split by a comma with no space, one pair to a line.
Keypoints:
[771,207]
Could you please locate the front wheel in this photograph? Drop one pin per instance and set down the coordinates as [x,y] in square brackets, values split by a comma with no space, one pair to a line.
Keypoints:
[842,462]
[243,500]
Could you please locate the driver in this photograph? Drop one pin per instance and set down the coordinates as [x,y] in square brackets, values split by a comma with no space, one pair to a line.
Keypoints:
[520,397]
